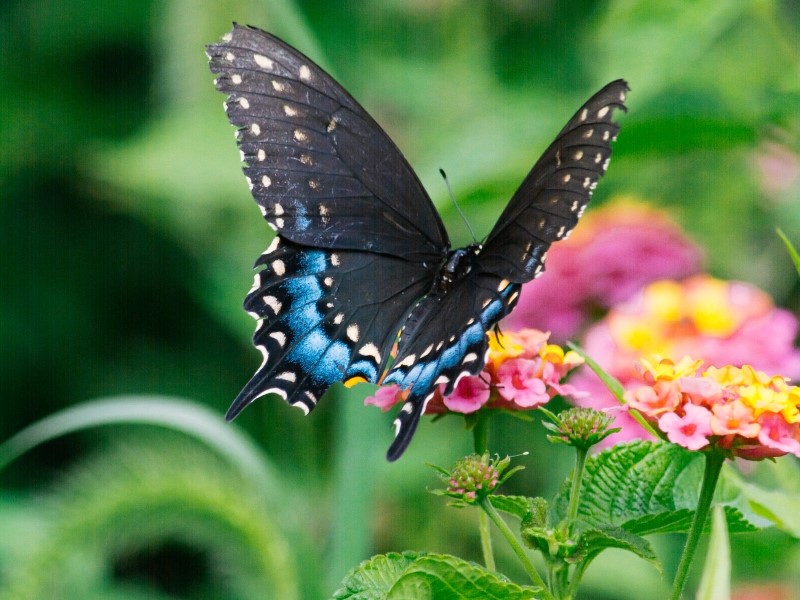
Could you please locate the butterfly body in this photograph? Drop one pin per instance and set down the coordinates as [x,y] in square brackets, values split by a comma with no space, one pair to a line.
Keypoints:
[361,259]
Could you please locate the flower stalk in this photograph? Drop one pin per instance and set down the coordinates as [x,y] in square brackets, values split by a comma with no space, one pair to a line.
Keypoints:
[713,466]
[506,532]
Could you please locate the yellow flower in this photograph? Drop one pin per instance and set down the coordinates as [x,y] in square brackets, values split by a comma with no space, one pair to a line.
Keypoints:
[503,346]
[663,369]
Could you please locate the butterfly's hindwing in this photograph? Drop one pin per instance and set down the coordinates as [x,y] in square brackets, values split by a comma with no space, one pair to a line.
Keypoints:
[322,319]
[321,169]
[444,340]
[553,196]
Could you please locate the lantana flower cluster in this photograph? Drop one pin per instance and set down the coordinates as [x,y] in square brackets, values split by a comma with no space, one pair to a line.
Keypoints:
[739,409]
[523,371]
[618,249]
[718,322]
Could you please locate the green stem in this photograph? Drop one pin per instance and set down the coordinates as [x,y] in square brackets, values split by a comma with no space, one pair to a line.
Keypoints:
[480,435]
[713,466]
[505,530]
[486,542]
[575,489]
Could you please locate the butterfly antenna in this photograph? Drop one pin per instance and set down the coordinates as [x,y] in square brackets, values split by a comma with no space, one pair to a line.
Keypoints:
[458,208]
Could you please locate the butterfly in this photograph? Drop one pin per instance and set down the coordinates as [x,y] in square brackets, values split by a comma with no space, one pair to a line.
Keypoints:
[361,269]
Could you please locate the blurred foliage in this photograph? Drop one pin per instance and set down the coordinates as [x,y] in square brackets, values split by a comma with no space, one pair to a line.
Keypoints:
[127,233]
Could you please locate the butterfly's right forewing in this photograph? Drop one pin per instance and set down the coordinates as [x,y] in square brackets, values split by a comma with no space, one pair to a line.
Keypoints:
[321,169]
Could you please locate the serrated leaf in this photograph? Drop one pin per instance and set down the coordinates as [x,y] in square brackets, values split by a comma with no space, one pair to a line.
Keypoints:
[644,488]
[593,540]
[372,579]
[417,575]
[444,577]
[519,506]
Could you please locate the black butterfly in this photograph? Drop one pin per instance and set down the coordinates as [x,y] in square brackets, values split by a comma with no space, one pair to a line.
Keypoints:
[361,255]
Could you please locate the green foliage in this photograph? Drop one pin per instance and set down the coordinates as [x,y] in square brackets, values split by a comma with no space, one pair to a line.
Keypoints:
[129,499]
[427,576]
[644,488]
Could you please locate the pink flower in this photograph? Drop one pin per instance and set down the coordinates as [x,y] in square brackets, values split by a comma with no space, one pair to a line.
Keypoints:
[720,322]
[663,396]
[518,381]
[691,430]
[617,249]
[779,435]
[469,395]
[734,418]
[385,397]
[523,371]
[740,410]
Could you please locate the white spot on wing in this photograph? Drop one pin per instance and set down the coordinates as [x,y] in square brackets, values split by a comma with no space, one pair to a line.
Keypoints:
[244,103]
[229,56]
[287,376]
[338,318]
[279,223]
[273,245]
[290,112]
[255,129]
[278,210]
[265,354]
[370,350]
[353,332]
[335,260]
[301,405]
[305,72]
[262,61]
[278,86]
[300,136]
[279,267]
[584,114]
[236,79]
[273,303]
[266,182]
[328,281]
[426,351]
[408,361]
[256,283]
[578,155]
[470,357]
[261,154]
[279,337]
[603,112]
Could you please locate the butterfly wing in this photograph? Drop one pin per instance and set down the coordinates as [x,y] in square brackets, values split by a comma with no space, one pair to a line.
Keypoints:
[348,209]
[443,340]
[322,170]
[552,197]
[445,335]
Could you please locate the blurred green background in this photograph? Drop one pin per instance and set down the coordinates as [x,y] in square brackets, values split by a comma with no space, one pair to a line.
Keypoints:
[127,233]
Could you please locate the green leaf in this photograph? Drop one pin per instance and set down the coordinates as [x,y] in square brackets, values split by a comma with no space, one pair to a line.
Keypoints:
[644,488]
[374,577]
[792,251]
[398,576]
[593,540]
[776,506]
[519,506]
[716,581]
[173,413]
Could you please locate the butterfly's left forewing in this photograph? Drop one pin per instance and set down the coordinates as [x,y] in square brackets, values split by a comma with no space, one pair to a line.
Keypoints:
[445,338]
[551,199]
